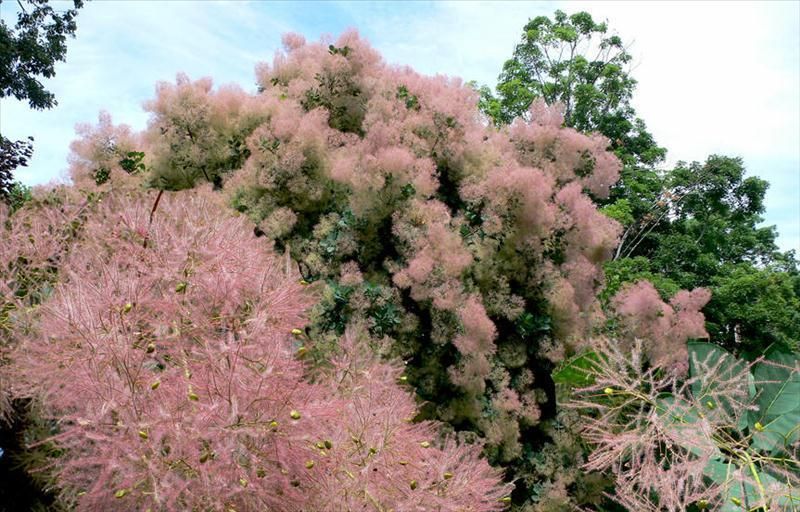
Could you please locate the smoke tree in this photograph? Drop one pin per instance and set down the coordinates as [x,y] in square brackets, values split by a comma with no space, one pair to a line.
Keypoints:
[174,380]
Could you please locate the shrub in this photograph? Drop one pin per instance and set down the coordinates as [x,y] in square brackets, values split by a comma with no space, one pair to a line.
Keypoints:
[34,240]
[168,359]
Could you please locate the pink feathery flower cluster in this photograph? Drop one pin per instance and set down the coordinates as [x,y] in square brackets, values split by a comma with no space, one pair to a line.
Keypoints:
[96,155]
[673,442]
[663,328]
[169,358]
[34,241]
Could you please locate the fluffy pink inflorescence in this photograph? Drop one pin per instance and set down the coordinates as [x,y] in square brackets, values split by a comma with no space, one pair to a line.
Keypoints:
[34,240]
[95,156]
[334,111]
[658,436]
[379,456]
[663,328]
[168,357]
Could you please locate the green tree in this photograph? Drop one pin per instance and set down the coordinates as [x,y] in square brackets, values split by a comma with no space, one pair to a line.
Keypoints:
[28,52]
[12,155]
[573,60]
[704,230]
[753,308]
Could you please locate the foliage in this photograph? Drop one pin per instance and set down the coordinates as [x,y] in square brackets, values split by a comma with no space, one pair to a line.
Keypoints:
[753,308]
[32,48]
[573,61]
[12,155]
[704,230]
[19,195]
[187,390]
[725,438]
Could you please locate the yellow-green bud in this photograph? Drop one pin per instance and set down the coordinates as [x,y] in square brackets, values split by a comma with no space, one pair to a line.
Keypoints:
[609,391]
[151,347]
[181,287]
[192,396]
[759,426]
[127,307]
[143,434]
[413,484]
[294,415]
[425,444]
[309,464]
[121,493]
[243,482]
[155,385]
[448,475]
[296,332]
[328,444]
[710,404]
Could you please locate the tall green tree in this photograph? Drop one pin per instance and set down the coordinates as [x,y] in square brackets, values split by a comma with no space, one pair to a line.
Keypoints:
[28,52]
[573,60]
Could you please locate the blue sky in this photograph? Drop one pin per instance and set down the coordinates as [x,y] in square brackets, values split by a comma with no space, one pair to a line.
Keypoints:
[713,77]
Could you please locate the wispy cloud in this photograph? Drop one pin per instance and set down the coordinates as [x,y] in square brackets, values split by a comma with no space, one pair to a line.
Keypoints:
[713,77]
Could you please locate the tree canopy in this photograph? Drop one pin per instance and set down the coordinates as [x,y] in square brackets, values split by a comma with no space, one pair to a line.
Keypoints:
[573,60]
[28,52]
